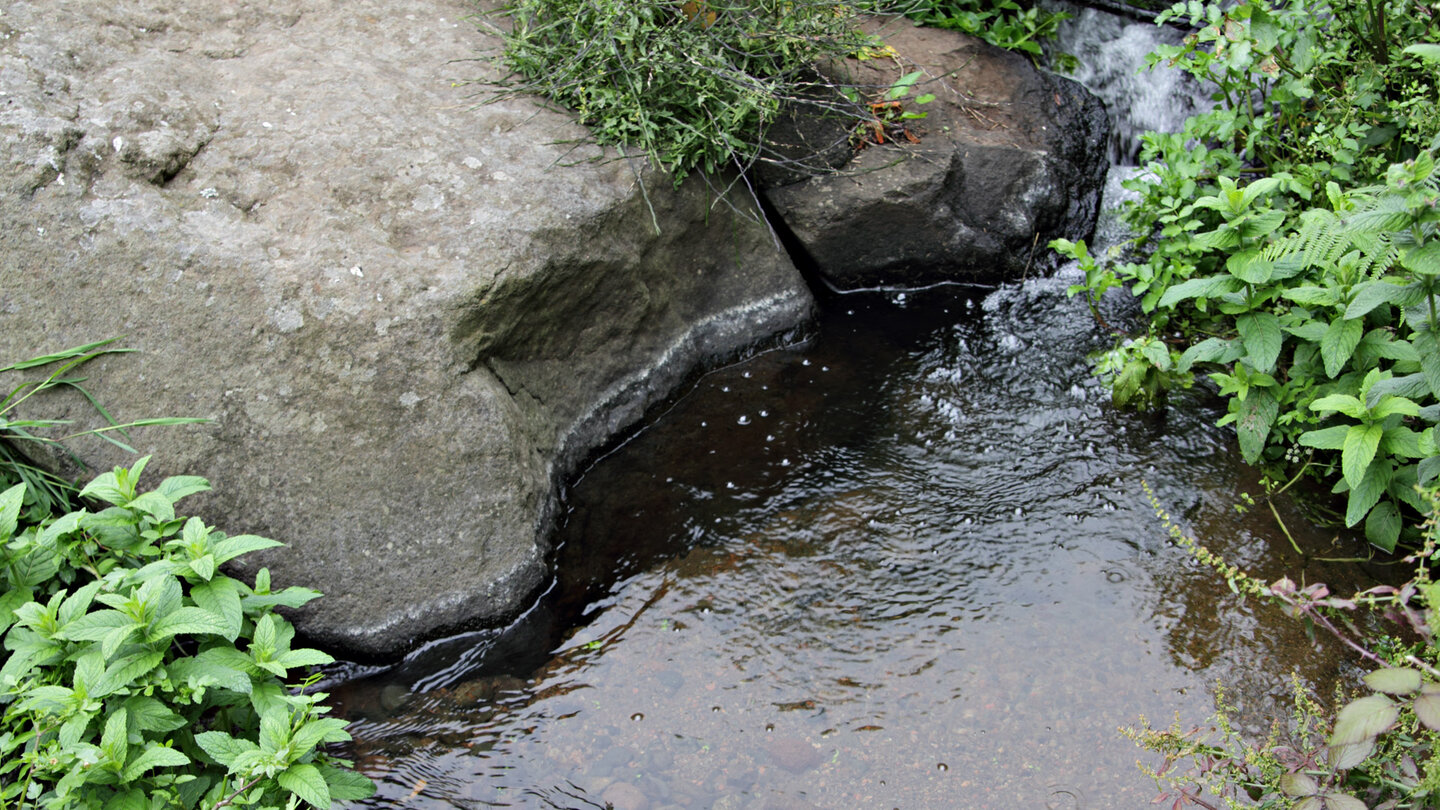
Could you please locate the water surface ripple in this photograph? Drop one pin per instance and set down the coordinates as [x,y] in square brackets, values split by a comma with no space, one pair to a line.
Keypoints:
[908,564]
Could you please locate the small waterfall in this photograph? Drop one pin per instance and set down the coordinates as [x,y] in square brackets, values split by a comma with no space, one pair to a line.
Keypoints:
[1111,53]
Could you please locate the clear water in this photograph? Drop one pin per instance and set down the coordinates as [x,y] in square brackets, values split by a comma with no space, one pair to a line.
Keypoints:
[907,564]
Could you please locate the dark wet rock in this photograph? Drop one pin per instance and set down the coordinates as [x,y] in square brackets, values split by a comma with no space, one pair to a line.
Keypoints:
[625,796]
[406,317]
[1008,158]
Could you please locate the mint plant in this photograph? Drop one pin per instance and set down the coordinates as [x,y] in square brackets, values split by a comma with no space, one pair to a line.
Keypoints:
[139,676]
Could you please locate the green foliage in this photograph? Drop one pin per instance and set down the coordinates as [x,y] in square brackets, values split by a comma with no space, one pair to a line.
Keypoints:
[692,85]
[1004,23]
[1310,302]
[1379,749]
[140,676]
[1139,371]
[45,492]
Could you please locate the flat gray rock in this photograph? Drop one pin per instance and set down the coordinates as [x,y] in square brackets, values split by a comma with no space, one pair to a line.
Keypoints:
[407,317]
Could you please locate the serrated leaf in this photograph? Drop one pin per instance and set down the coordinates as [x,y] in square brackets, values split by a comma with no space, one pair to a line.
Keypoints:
[221,596]
[1262,336]
[1207,287]
[10,502]
[1365,496]
[1342,403]
[1250,267]
[1409,386]
[149,714]
[1427,710]
[315,732]
[1428,345]
[1382,527]
[346,785]
[95,626]
[1343,801]
[1256,415]
[1309,296]
[1425,259]
[1394,680]
[155,505]
[1343,757]
[1364,719]
[179,486]
[192,621]
[114,741]
[224,748]
[232,547]
[274,728]
[125,671]
[1299,784]
[1361,442]
[1209,350]
[1339,343]
[203,671]
[1331,438]
[304,658]
[1372,294]
[204,567]
[1311,803]
[305,781]
[156,756]
[9,601]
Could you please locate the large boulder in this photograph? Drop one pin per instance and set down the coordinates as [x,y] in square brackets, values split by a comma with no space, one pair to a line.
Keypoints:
[1008,157]
[406,316]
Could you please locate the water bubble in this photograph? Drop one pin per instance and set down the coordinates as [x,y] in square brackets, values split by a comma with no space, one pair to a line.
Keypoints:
[824,368]
[784,462]
[729,484]
[637,717]
[702,424]
[940,766]
[805,362]
[743,420]
[715,708]
[769,727]
[725,389]
[770,437]
[745,374]
[764,413]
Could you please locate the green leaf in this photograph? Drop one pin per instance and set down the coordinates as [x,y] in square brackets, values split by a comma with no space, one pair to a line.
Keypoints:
[11,600]
[96,626]
[1344,403]
[1207,287]
[317,731]
[1256,414]
[1209,350]
[232,547]
[125,671]
[204,567]
[1409,386]
[1342,757]
[1332,438]
[156,756]
[179,486]
[221,596]
[1428,344]
[1261,334]
[1427,710]
[1339,343]
[1299,783]
[346,785]
[155,505]
[1394,680]
[1382,529]
[10,502]
[1374,293]
[1361,442]
[222,747]
[274,728]
[1365,496]
[304,658]
[1364,719]
[1425,50]
[1250,267]
[149,714]
[202,669]
[190,621]
[305,781]
[114,740]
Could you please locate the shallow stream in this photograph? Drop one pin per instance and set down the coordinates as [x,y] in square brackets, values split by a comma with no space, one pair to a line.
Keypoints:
[907,564]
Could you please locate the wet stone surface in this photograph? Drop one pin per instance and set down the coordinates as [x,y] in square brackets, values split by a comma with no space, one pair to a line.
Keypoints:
[909,564]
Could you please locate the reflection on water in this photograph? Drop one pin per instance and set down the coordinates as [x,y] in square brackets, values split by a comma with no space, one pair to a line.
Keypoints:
[906,565]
